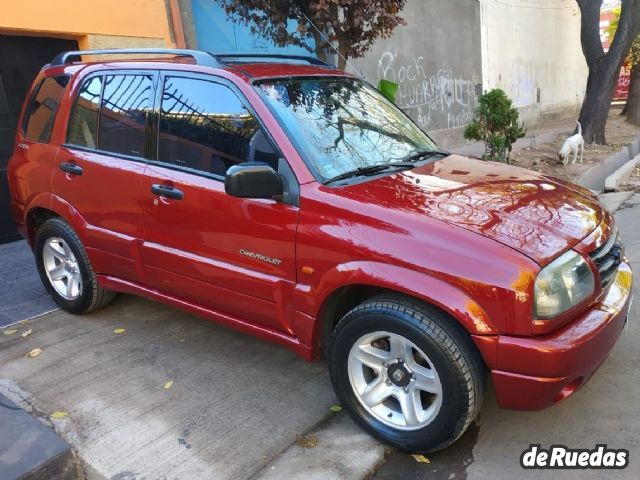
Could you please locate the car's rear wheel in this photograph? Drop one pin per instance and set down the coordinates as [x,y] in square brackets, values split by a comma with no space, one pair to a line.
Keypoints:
[406,372]
[65,270]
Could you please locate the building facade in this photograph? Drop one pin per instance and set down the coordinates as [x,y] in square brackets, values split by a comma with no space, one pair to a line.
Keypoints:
[449,53]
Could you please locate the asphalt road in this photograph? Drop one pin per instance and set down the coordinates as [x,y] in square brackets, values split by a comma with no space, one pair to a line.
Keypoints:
[605,411]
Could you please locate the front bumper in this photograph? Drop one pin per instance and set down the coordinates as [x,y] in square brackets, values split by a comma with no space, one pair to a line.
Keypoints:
[531,373]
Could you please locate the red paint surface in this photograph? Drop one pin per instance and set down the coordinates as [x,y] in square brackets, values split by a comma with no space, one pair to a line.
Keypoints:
[465,235]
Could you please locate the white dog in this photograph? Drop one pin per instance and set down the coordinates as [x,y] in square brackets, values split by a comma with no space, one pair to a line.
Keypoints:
[573,144]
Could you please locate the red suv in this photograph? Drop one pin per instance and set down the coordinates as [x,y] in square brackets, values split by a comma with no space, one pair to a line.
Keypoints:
[291,200]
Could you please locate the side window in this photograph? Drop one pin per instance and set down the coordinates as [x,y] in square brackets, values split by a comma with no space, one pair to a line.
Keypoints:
[43,107]
[83,124]
[205,126]
[126,102]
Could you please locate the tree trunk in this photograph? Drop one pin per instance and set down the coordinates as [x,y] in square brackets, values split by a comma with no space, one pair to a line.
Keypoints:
[633,101]
[604,68]
[597,102]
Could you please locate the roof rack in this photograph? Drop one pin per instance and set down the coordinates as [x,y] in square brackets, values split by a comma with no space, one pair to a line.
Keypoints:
[200,57]
[229,58]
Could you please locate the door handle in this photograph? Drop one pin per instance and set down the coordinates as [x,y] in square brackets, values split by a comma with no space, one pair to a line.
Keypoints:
[71,168]
[167,191]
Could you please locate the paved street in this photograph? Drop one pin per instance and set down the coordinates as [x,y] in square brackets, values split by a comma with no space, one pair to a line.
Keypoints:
[237,404]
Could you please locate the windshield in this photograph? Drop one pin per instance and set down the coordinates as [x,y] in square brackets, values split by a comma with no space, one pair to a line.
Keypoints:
[342,124]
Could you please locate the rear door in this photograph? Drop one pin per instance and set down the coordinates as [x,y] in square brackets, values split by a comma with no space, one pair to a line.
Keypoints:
[99,169]
[233,255]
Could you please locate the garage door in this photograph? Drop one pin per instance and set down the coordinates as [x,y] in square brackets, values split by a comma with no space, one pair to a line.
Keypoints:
[20,60]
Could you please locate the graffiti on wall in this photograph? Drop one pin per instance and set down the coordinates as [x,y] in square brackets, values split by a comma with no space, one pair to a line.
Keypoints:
[436,99]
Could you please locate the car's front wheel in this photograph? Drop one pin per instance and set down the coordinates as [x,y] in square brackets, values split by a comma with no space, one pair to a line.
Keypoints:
[65,270]
[407,372]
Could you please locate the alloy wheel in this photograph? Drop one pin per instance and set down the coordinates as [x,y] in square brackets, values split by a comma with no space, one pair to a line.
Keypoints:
[394,380]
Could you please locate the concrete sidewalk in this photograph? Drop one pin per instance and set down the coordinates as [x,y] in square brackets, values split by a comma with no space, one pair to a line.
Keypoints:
[235,404]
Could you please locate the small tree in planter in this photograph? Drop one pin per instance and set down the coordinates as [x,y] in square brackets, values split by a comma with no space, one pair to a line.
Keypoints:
[495,123]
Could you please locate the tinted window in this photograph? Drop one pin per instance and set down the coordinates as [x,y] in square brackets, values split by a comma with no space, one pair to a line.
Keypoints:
[126,102]
[83,124]
[205,126]
[43,107]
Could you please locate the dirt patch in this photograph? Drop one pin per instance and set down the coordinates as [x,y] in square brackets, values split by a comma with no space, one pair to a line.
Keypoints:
[544,157]
[633,182]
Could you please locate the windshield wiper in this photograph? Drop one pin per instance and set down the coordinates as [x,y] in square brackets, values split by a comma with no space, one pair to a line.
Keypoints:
[424,154]
[370,170]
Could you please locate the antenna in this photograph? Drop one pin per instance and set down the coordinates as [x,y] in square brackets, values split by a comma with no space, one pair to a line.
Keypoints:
[326,39]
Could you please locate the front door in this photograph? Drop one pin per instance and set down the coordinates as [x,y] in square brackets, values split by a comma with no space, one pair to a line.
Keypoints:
[235,256]
[99,168]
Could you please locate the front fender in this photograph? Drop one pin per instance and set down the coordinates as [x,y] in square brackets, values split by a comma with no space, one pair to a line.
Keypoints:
[427,288]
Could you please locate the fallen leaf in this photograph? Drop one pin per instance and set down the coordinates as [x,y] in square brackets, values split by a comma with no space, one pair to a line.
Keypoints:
[23,322]
[420,458]
[59,415]
[168,385]
[119,330]
[307,442]
[34,353]
[335,408]
[27,333]
[10,332]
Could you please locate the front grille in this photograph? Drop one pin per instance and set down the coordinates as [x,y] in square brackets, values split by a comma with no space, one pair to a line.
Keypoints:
[607,258]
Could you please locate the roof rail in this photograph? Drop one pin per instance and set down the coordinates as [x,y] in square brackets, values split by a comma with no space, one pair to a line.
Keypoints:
[247,57]
[200,57]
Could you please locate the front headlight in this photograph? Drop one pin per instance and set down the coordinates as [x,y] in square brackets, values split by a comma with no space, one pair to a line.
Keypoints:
[562,284]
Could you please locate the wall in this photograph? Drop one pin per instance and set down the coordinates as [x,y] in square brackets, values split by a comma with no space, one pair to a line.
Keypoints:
[532,51]
[94,23]
[436,61]
[208,27]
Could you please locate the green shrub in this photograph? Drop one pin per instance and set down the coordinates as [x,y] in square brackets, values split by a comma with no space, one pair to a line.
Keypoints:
[495,122]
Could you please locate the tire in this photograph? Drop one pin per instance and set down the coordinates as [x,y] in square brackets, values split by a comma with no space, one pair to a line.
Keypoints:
[86,295]
[437,353]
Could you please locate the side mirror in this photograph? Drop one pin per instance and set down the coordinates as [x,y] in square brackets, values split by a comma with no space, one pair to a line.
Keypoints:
[253,180]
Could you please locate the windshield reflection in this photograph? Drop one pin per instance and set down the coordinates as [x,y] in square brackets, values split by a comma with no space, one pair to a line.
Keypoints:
[342,124]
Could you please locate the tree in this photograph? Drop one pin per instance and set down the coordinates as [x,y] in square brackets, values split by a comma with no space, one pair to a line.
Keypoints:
[349,26]
[632,108]
[496,123]
[603,67]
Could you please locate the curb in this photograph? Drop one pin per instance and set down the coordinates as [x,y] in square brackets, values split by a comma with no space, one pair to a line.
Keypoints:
[613,181]
[30,450]
[343,450]
[595,177]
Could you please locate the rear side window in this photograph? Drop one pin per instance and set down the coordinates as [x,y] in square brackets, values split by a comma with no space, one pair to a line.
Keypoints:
[83,125]
[110,114]
[42,110]
[205,126]
[126,103]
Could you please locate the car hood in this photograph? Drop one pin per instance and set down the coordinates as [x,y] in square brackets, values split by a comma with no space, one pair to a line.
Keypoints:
[530,212]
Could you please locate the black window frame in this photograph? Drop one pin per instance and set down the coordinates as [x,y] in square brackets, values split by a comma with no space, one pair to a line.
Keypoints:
[148,129]
[32,98]
[212,79]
